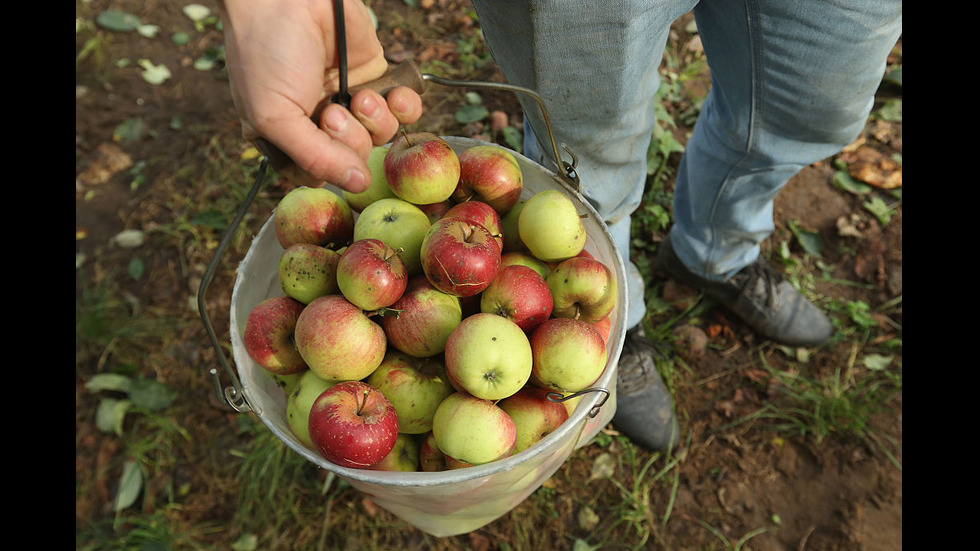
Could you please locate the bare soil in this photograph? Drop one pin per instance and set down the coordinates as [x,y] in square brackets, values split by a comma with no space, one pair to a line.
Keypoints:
[737,474]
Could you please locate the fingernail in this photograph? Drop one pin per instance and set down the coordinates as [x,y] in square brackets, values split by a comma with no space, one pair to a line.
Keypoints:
[336,120]
[355,181]
[370,107]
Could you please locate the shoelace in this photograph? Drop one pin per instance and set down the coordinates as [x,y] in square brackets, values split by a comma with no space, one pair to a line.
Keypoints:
[748,281]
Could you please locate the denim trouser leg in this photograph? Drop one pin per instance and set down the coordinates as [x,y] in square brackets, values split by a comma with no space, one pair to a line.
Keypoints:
[792,83]
[595,66]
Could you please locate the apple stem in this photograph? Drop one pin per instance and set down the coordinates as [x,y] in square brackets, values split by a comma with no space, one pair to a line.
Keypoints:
[394,253]
[360,405]
[405,134]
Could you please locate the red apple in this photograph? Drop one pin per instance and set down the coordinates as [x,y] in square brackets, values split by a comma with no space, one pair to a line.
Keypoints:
[459,257]
[491,174]
[534,415]
[569,355]
[371,275]
[583,288]
[480,213]
[421,168]
[431,458]
[519,294]
[269,335]
[353,425]
[415,386]
[419,323]
[604,326]
[314,215]
[436,211]
[338,340]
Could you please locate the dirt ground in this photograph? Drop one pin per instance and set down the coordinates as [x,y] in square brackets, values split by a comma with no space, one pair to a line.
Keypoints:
[834,494]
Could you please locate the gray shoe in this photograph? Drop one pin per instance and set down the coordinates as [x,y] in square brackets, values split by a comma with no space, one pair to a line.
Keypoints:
[644,407]
[760,297]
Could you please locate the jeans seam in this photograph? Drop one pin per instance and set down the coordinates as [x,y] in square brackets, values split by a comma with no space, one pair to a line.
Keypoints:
[755,114]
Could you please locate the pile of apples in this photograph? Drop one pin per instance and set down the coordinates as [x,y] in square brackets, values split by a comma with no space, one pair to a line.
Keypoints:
[425,321]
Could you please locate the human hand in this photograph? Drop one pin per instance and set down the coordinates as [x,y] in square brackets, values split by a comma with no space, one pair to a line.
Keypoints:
[282,62]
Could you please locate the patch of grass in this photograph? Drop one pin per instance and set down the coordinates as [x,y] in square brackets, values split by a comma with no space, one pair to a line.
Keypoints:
[840,405]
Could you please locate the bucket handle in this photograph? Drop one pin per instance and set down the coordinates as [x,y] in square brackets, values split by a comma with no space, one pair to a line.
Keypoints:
[559,397]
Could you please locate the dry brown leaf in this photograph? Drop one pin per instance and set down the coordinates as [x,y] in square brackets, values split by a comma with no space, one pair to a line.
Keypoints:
[873,167]
[108,161]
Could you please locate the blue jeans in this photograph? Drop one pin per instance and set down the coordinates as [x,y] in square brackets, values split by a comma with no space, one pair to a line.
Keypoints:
[792,82]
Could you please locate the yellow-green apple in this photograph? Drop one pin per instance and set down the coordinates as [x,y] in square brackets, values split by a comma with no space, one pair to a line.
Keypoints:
[353,425]
[286,382]
[431,458]
[583,288]
[491,174]
[300,402]
[473,430]
[419,323]
[400,224]
[314,215]
[269,336]
[488,356]
[459,257]
[519,294]
[421,168]
[478,212]
[377,186]
[338,340]
[404,457]
[510,227]
[550,226]
[525,259]
[370,274]
[307,271]
[534,415]
[415,386]
[569,355]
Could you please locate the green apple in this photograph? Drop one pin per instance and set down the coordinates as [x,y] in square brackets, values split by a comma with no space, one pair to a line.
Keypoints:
[473,430]
[509,226]
[524,259]
[300,401]
[404,457]
[488,356]
[399,224]
[377,187]
[415,386]
[550,226]
[308,271]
